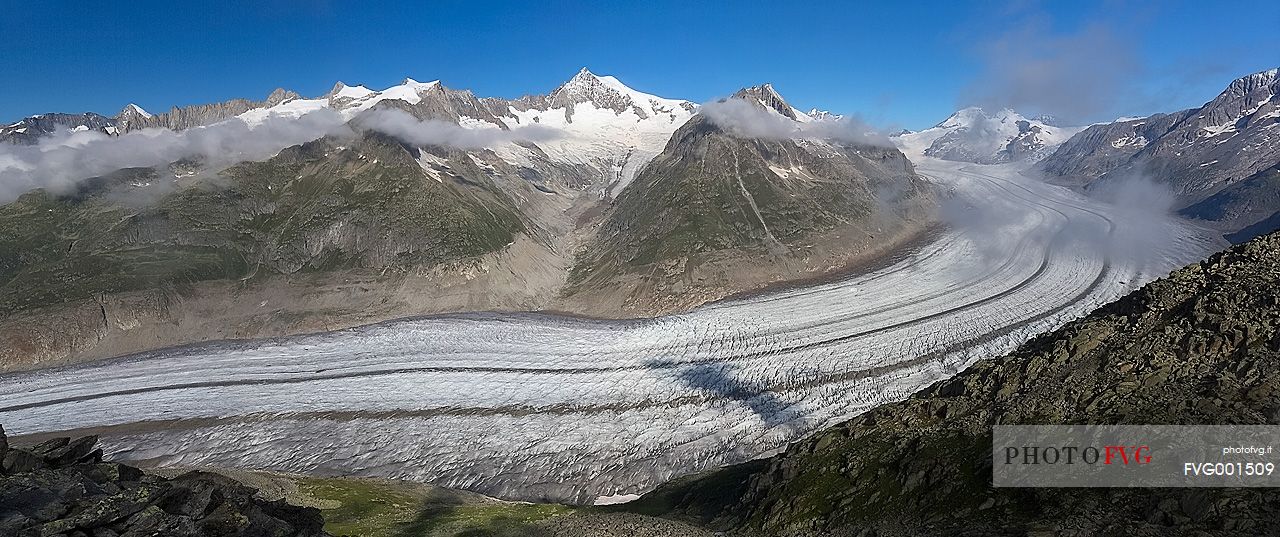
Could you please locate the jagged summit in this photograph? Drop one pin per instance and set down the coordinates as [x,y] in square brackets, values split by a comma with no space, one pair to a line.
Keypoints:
[135,109]
[607,92]
[1244,97]
[1255,80]
[586,87]
[280,95]
[769,98]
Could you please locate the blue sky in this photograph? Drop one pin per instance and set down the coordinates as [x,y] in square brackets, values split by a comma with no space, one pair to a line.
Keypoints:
[896,64]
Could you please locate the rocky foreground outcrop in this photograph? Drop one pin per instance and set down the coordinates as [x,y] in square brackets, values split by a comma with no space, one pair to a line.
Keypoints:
[1201,346]
[62,487]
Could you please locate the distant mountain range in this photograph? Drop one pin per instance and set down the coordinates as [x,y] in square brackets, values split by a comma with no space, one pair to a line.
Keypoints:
[1220,162]
[594,198]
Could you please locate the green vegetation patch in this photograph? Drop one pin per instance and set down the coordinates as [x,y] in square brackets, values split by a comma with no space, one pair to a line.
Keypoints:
[373,508]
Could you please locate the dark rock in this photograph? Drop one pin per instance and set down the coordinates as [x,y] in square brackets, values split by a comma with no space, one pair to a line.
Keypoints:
[4,448]
[18,460]
[110,472]
[94,457]
[71,452]
[62,488]
[195,494]
[45,447]
[154,521]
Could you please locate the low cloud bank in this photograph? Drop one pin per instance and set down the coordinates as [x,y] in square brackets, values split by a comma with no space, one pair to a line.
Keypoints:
[60,161]
[1135,227]
[409,129]
[1146,210]
[748,120]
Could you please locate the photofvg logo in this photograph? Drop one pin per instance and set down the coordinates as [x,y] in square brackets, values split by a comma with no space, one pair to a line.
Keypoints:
[1134,456]
[1107,455]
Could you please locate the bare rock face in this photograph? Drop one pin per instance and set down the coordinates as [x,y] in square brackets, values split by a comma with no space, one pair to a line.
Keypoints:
[767,97]
[586,87]
[131,118]
[62,487]
[1200,346]
[440,103]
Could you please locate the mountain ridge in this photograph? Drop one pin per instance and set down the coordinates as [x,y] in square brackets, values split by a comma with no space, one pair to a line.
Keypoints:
[1223,151]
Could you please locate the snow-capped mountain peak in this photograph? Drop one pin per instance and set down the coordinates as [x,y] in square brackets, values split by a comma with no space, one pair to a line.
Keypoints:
[974,135]
[974,116]
[822,115]
[137,110]
[586,87]
[409,90]
[343,91]
[609,93]
[348,100]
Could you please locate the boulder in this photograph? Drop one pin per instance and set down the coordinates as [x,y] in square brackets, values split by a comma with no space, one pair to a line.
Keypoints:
[71,452]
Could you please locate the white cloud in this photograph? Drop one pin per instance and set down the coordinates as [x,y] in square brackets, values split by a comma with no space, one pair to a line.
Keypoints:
[60,161]
[747,120]
[409,129]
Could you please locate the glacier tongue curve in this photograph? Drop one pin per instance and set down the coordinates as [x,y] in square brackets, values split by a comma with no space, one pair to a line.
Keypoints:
[539,407]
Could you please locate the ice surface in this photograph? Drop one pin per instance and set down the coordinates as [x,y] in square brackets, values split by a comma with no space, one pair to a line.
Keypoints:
[532,406]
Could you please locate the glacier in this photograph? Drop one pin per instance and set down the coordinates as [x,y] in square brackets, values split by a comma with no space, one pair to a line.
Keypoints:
[540,407]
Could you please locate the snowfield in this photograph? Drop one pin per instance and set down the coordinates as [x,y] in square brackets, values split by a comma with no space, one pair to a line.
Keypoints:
[540,407]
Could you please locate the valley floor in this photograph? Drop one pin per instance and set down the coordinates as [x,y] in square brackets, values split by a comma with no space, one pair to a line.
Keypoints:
[549,408]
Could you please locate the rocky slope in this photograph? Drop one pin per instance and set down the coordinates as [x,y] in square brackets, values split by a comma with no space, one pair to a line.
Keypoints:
[1201,346]
[716,212]
[973,135]
[1219,160]
[358,214]
[62,487]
